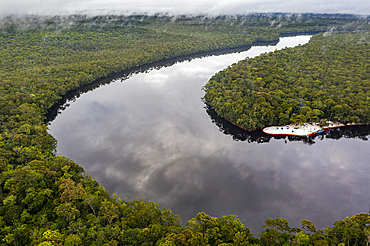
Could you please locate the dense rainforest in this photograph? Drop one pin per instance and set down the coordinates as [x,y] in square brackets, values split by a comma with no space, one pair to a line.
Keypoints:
[46,199]
[326,79]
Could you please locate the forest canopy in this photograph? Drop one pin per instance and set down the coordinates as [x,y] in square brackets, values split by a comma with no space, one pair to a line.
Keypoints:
[326,79]
[47,199]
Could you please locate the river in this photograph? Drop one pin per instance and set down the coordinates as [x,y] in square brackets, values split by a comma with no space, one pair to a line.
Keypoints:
[151,136]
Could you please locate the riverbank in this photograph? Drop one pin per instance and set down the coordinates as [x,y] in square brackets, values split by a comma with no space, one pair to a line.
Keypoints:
[52,112]
[306,129]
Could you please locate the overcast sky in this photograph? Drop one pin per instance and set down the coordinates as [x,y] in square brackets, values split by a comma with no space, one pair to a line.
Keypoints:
[51,7]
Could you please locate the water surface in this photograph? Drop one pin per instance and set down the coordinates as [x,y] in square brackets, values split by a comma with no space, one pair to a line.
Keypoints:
[150,136]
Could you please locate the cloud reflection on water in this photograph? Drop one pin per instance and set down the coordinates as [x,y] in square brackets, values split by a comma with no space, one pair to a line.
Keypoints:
[150,137]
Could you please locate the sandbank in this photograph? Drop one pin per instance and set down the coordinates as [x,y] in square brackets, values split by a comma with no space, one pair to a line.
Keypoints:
[305,129]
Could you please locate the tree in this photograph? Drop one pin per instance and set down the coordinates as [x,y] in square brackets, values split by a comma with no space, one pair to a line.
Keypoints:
[109,211]
[186,237]
[67,211]
[72,240]
[71,191]
[278,232]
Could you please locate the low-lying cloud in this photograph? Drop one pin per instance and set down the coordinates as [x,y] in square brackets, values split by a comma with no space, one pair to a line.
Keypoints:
[215,7]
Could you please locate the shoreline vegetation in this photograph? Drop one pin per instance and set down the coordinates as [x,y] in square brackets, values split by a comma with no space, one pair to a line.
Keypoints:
[47,199]
[324,80]
[300,129]
[52,112]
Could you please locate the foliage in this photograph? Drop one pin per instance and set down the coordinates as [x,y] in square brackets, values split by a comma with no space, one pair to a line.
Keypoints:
[328,78]
[47,199]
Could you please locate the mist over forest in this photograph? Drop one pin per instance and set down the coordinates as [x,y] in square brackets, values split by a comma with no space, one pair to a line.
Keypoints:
[218,7]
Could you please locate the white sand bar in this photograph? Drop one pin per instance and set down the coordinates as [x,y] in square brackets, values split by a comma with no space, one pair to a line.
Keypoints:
[299,130]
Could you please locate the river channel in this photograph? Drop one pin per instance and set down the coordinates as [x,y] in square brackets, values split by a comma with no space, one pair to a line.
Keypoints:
[151,136]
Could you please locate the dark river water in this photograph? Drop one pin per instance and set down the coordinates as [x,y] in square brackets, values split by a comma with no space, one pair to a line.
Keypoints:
[151,136]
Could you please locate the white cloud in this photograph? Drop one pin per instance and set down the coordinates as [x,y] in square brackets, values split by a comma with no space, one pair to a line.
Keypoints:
[50,7]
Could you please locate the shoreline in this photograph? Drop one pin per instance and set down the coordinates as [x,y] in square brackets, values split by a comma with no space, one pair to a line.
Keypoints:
[303,130]
[52,111]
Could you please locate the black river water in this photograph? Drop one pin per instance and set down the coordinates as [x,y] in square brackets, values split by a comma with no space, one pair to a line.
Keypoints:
[151,136]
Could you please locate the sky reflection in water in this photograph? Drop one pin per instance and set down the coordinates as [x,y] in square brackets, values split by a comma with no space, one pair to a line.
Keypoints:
[150,137]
